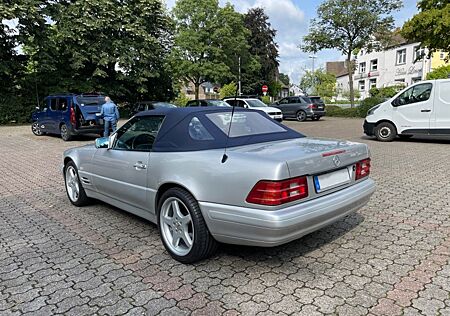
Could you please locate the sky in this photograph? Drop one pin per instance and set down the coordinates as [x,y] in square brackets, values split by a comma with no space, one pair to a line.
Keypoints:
[291,20]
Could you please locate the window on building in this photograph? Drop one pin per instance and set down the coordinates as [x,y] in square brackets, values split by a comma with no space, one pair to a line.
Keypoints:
[372,83]
[362,85]
[442,55]
[362,68]
[374,65]
[419,53]
[401,56]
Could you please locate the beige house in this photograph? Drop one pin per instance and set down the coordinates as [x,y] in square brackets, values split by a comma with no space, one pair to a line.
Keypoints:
[207,90]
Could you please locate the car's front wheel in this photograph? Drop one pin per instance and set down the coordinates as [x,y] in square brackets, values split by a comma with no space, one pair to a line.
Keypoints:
[301,116]
[65,132]
[36,129]
[74,189]
[385,132]
[182,228]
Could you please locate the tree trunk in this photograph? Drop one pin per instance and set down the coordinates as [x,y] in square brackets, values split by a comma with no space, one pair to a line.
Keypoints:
[197,88]
[350,80]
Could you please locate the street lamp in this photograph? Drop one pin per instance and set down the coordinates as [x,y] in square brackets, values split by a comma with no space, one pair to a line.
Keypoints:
[313,57]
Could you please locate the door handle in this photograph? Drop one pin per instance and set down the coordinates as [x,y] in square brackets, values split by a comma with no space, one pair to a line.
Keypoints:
[425,110]
[139,166]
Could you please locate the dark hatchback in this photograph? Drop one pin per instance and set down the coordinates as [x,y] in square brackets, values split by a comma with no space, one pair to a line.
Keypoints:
[69,115]
[301,107]
[149,105]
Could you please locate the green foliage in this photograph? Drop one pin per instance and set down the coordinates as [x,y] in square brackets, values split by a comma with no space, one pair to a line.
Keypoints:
[274,88]
[228,90]
[368,103]
[263,47]
[349,25]
[181,100]
[386,92]
[442,72]
[431,26]
[319,83]
[337,111]
[266,99]
[284,78]
[207,42]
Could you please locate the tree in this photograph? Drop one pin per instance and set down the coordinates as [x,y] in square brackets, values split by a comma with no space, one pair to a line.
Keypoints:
[349,25]
[442,72]
[431,26]
[284,79]
[319,83]
[208,42]
[264,48]
[228,90]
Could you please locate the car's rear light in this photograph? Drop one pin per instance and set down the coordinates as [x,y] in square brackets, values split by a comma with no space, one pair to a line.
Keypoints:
[362,169]
[72,116]
[310,106]
[278,192]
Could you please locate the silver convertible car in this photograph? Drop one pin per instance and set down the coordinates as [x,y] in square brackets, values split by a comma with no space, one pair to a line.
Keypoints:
[206,176]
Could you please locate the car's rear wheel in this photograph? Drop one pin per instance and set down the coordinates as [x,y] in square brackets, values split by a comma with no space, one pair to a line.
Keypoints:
[300,116]
[74,188]
[65,132]
[182,228]
[385,132]
[36,129]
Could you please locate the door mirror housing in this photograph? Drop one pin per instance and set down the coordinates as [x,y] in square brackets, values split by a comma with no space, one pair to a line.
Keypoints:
[102,142]
[395,102]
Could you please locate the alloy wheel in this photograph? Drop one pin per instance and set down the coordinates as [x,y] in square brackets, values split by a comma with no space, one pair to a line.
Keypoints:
[177,227]
[72,184]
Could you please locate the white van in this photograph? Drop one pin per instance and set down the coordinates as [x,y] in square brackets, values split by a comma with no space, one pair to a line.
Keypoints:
[420,109]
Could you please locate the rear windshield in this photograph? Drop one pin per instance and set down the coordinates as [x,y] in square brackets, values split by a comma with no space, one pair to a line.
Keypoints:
[316,100]
[307,100]
[244,124]
[86,101]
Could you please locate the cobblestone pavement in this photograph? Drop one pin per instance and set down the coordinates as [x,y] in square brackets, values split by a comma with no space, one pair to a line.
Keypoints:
[390,258]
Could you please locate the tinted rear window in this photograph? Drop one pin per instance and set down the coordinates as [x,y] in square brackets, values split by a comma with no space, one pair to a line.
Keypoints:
[316,100]
[83,101]
[307,100]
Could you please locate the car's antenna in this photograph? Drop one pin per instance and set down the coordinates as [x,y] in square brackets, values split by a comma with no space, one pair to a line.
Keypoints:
[225,156]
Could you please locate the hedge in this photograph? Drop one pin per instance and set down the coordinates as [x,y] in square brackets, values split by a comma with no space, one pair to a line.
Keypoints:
[16,110]
[360,111]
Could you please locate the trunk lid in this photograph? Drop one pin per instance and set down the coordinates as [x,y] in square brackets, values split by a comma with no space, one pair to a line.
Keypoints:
[89,106]
[309,156]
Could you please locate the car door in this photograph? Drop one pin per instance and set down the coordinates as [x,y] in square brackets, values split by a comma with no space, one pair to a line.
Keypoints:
[121,171]
[53,115]
[440,122]
[283,105]
[42,117]
[413,108]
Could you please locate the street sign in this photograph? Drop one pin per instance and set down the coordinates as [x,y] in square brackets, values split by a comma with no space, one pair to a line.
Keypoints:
[265,88]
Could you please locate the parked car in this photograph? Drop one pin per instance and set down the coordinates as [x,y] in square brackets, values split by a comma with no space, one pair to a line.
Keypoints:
[68,115]
[150,105]
[207,102]
[420,109]
[170,167]
[256,104]
[301,108]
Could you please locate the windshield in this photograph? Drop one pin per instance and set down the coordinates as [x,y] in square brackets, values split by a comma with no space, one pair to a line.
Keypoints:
[217,103]
[255,103]
[163,105]
[245,124]
[83,101]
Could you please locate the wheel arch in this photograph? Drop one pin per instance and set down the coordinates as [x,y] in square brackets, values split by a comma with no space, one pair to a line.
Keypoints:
[164,188]
[387,121]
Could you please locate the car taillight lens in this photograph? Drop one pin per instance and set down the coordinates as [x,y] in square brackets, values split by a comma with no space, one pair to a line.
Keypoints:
[362,169]
[72,117]
[278,192]
[310,106]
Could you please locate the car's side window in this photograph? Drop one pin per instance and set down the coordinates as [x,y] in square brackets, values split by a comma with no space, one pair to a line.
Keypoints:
[53,104]
[62,104]
[242,104]
[284,101]
[418,93]
[138,134]
[197,131]
[294,100]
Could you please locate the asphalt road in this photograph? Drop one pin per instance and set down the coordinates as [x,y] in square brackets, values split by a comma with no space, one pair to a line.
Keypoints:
[390,258]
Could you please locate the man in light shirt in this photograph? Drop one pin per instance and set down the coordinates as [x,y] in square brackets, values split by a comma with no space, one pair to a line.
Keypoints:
[110,115]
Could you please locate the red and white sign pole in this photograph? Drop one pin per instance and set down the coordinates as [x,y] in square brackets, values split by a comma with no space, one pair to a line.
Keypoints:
[265,89]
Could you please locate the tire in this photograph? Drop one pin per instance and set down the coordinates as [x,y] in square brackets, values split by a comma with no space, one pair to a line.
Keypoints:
[35,128]
[65,132]
[197,243]
[74,188]
[301,116]
[385,132]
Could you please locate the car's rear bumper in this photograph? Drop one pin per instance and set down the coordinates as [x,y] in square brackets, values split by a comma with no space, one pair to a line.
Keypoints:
[369,128]
[319,113]
[256,227]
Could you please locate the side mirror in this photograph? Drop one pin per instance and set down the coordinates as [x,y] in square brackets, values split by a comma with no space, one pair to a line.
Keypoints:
[102,142]
[395,103]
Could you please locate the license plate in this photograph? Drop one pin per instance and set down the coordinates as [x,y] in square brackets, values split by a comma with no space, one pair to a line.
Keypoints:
[331,180]
[320,107]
